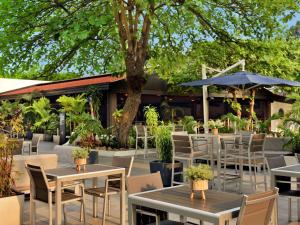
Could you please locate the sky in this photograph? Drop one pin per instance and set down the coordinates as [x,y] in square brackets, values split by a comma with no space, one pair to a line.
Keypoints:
[294,20]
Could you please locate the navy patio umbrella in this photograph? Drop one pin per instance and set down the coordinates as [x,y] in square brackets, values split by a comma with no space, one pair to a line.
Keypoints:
[243,81]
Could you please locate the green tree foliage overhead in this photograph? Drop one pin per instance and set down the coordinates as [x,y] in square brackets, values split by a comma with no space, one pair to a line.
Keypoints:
[278,58]
[294,31]
[115,35]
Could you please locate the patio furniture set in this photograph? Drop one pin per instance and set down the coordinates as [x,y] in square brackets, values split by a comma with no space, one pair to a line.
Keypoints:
[60,186]
[150,203]
[222,151]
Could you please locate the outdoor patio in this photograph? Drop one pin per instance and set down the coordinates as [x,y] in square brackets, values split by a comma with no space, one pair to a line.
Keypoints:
[140,166]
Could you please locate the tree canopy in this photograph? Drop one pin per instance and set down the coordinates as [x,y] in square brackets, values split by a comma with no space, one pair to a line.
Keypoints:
[92,36]
[83,36]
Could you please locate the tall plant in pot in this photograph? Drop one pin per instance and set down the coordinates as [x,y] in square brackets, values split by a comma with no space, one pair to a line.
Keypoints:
[164,152]
[11,203]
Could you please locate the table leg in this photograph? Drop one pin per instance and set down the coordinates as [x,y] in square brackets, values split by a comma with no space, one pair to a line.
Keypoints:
[131,213]
[219,168]
[241,168]
[58,202]
[122,200]
[298,209]
[273,180]
[31,205]
[95,200]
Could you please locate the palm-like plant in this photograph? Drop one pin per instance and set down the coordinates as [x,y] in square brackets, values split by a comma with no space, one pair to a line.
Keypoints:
[73,107]
[45,119]
[87,130]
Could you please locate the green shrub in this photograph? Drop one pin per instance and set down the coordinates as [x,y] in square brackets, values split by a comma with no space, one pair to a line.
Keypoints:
[80,153]
[152,117]
[201,172]
[189,124]
[164,143]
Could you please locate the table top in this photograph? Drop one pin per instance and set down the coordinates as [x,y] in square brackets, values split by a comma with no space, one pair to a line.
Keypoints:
[291,168]
[89,170]
[216,202]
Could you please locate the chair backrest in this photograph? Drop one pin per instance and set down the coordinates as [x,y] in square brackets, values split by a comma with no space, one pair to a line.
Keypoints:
[123,162]
[39,181]
[275,162]
[245,136]
[257,142]
[181,143]
[178,127]
[35,141]
[232,140]
[257,208]
[140,130]
[143,183]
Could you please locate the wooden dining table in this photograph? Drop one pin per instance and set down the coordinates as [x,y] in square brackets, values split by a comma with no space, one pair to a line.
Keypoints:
[94,171]
[218,208]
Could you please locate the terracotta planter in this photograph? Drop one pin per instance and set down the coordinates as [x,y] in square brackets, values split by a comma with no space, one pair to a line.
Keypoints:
[215,131]
[80,163]
[199,185]
[11,210]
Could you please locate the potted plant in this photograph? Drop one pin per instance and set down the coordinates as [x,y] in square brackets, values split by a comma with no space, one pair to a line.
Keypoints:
[214,125]
[199,177]
[80,155]
[164,151]
[11,203]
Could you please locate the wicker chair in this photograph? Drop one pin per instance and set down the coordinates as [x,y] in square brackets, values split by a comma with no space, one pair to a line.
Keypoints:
[142,183]
[252,154]
[258,208]
[229,145]
[44,191]
[184,149]
[112,185]
[142,133]
[35,144]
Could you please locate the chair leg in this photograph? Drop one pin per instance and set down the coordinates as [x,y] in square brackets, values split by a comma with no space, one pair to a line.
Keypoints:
[145,147]
[255,166]
[250,173]
[172,174]
[64,211]
[136,143]
[104,210]
[83,209]
[265,175]
[289,209]
[108,202]
[50,212]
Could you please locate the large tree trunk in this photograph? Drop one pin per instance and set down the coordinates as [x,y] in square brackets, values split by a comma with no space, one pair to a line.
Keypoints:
[129,112]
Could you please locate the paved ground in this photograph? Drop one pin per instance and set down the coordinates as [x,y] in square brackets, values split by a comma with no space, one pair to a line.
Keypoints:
[141,166]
